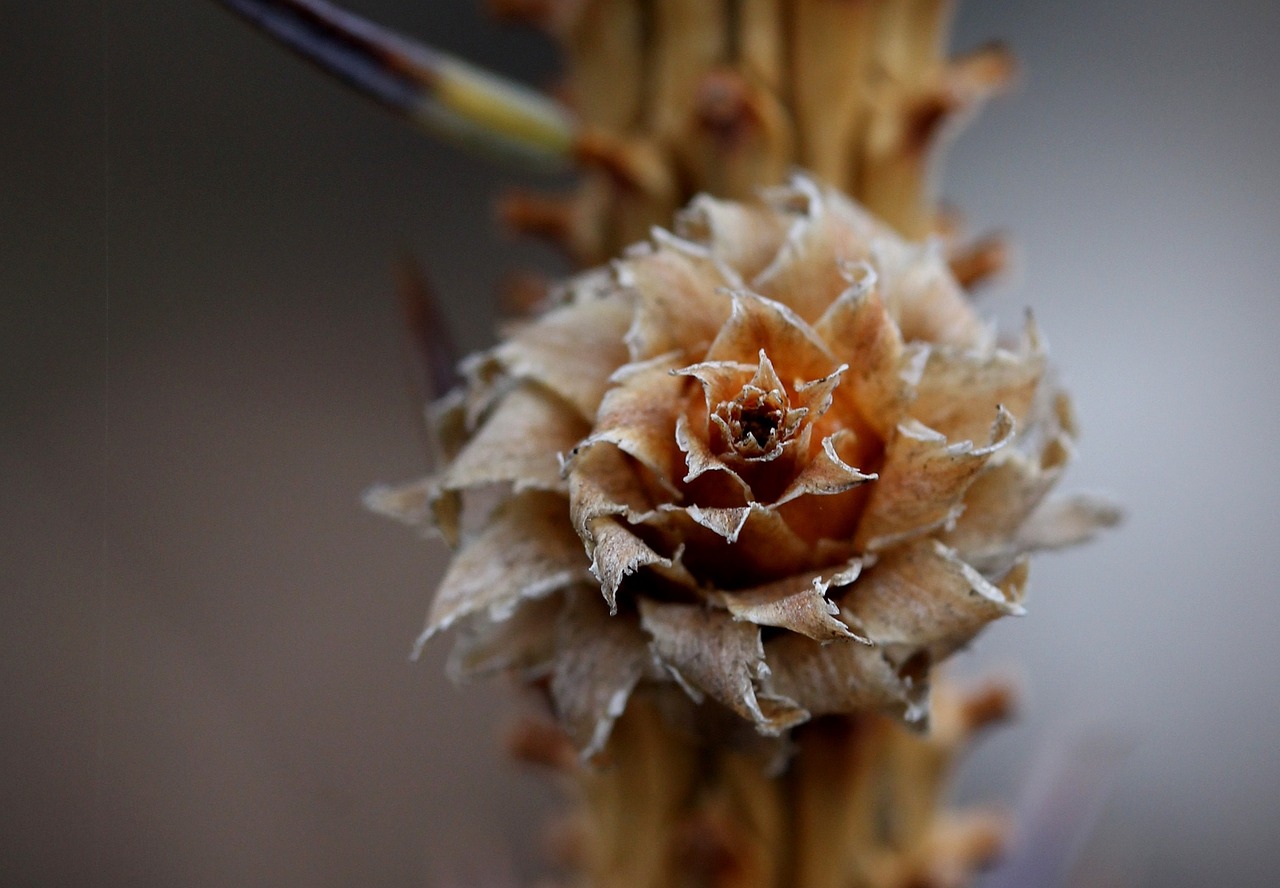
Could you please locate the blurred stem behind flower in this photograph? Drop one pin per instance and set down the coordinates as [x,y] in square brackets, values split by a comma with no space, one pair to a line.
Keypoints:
[666,99]
[802,470]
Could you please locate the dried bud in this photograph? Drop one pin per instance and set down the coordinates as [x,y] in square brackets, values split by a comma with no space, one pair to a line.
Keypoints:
[801,469]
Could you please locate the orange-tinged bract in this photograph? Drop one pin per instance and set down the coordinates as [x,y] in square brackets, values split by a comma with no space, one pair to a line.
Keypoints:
[771,456]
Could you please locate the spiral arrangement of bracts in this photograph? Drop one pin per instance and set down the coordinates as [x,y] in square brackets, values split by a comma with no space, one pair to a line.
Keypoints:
[728,499]
[772,456]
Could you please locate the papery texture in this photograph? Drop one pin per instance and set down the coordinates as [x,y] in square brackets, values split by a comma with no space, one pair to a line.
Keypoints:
[793,462]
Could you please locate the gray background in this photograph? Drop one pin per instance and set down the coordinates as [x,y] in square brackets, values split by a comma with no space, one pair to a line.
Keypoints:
[203,637]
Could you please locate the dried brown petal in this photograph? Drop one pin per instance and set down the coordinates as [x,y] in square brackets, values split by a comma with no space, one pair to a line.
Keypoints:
[603,480]
[742,237]
[524,643]
[506,563]
[679,304]
[760,324]
[797,603]
[519,443]
[708,652]
[599,660]
[923,482]
[959,387]
[843,676]
[826,473]
[923,297]
[617,553]
[883,371]
[638,415]
[752,543]
[806,273]
[699,459]
[409,503]
[920,597]
[1001,498]
[1067,521]
[572,350]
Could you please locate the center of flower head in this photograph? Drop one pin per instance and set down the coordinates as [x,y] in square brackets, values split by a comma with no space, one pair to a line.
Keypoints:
[758,421]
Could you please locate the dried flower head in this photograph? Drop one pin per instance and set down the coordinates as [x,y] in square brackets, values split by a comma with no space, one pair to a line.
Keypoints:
[801,469]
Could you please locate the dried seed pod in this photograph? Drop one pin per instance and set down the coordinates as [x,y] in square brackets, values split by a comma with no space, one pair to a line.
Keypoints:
[796,465]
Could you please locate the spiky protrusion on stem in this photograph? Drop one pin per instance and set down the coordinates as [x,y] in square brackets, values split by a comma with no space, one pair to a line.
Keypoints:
[677,97]
[859,808]
[670,98]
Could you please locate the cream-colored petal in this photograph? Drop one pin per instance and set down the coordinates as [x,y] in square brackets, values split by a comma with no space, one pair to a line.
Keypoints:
[814,396]
[1001,498]
[923,482]
[758,323]
[679,303]
[708,652]
[520,443]
[409,503]
[616,553]
[806,274]
[859,331]
[742,236]
[1067,521]
[599,660]
[606,495]
[826,473]
[485,381]
[446,514]
[850,220]
[765,376]
[572,350]
[591,285]
[638,415]
[921,598]
[840,677]
[603,480]
[959,389]
[524,643]
[527,550]
[721,380]
[797,603]
[699,459]
[923,297]
[724,522]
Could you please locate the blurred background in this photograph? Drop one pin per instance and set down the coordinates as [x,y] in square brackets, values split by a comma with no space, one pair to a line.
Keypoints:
[204,638]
